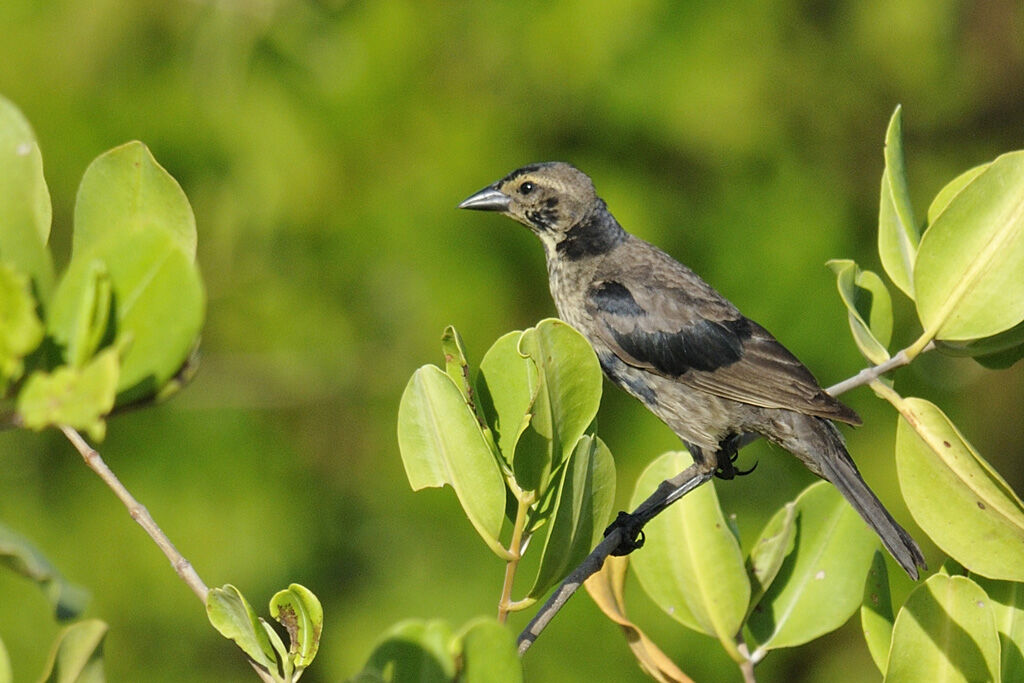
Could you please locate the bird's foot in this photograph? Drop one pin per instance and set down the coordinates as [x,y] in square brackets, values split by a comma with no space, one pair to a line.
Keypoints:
[632,533]
[727,464]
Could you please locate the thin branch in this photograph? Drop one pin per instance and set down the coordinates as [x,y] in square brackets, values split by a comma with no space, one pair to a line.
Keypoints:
[515,549]
[747,665]
[138,512]
[868,375]
[658,501]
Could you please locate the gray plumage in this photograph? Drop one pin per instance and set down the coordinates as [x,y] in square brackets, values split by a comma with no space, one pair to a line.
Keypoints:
[669,339]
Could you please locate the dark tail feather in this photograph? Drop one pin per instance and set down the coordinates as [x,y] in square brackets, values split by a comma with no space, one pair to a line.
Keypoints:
[826,455]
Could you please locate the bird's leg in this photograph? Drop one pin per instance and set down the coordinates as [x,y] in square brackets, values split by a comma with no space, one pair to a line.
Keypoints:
[728,451]
[668,492]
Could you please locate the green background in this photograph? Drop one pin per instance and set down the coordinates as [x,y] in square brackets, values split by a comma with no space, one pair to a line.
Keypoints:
[324,146]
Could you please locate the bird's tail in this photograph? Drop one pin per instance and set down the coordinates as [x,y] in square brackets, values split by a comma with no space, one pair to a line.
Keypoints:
[819,444]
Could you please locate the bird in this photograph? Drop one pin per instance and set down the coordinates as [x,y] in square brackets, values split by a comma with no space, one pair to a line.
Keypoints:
[673,342]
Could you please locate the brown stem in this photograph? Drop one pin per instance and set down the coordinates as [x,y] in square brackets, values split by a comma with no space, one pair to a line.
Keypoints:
[138,512]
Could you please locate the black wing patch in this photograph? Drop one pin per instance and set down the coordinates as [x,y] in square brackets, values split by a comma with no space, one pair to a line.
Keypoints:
[701,345]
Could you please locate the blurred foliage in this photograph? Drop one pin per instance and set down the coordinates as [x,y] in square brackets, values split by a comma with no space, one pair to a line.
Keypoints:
[323,146]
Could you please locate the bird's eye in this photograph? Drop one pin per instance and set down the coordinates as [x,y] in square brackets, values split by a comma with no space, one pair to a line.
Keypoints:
[526,188]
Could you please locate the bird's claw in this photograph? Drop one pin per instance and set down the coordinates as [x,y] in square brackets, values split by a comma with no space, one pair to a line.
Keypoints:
[632,533]
[727,466]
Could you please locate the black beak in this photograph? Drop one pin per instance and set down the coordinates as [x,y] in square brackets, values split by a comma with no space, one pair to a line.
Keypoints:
[487,199]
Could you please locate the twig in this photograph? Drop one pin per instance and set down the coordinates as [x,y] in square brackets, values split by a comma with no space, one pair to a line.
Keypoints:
[138,512]
[659,500]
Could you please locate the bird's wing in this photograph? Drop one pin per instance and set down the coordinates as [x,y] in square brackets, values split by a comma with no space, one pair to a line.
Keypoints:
[692,334]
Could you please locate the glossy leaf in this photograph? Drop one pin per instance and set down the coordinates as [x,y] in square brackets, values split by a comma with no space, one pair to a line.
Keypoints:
[691,565]
[25,211]
[20,555]
[77,656]
[126,192]
[489,654]
[821,583]
[506,387]
[606,589]
[441,443]
[776,542]
[951,190]
[945,633]
[898,234]
[998,351]
[302,616]
[234,618]
[76,397]
[20,328]
[569,391]
[969,264]
[584,499]
[1007,600]
[955,496]
[414,650]
[869,308]
[876,615]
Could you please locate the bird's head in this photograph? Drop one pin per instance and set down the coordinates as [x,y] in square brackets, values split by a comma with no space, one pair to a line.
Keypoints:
[549,198]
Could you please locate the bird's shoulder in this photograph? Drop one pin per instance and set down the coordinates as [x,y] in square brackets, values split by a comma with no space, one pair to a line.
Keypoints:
[658,315]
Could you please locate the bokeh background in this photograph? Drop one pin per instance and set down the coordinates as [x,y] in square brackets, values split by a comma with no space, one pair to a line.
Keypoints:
[324,146]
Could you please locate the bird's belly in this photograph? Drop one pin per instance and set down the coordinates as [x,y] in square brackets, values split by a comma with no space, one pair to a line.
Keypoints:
[697,417]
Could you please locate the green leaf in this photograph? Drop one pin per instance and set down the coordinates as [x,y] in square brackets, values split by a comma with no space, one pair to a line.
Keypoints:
[489,654]
[876,616]
[302,616]
[691,565]
[233,617]
[506,387]
[897,228]
[285,668]
[76,397]
[20,555]
[126,192]
[414,650]
[821,583]
[6,675]
[1007,599]
[997,352]
[945,633]
[158,312]
[955,496]
[455,363]
[20,328]
[952,189]
[585,497]
[777,540]
[87,322]
[441,443]
[568,396]
[77,656]
[25,211]
[869,308]
[969,264]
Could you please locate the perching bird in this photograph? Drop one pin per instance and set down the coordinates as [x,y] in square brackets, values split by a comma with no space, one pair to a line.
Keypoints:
[673,342]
